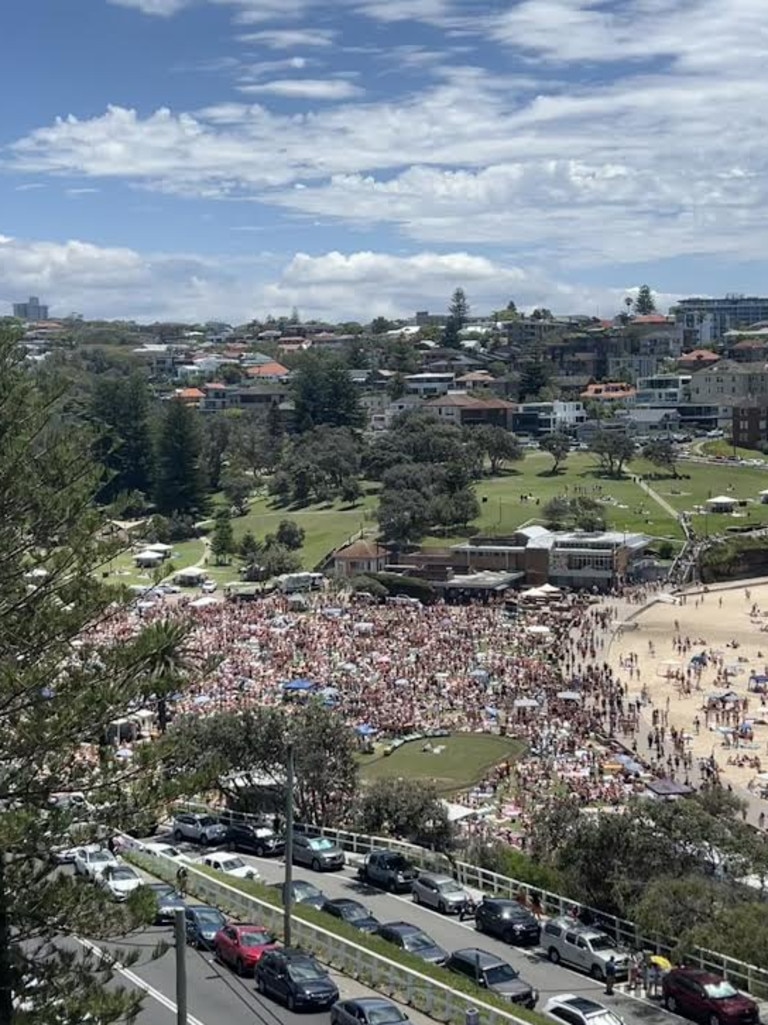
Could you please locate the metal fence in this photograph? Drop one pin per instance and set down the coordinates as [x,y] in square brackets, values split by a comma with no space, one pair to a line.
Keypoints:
[749,977]
[433,998]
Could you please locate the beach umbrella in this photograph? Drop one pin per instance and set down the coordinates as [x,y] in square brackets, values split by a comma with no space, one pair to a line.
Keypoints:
[526,703]
[296,686]
[569,695]
[365,729]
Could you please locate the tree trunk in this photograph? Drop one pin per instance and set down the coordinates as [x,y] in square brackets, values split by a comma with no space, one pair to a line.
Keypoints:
[6,972]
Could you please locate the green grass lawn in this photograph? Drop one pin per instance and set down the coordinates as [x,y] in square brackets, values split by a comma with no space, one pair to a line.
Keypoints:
[327,526]
[721,448]
[121,569]
[464,760]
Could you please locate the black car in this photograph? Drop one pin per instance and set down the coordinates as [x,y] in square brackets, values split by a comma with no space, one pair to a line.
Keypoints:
[303,892]
[169,901]
[414,940]
[202,925]
[295,978]
[258,840]
[352,912]
[508,920]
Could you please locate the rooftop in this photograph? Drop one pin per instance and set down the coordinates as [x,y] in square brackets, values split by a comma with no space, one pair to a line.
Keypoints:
[362,549]
[461,400]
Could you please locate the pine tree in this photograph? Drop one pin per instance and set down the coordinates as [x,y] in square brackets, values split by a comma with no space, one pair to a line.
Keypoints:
[458,311]
[119,410]
[57,702]
[222,539]
[179,477]
[644,304]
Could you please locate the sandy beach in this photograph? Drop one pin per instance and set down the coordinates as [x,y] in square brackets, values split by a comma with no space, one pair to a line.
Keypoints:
[662,659]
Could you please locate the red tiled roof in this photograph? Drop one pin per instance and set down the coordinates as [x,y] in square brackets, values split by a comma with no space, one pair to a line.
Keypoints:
[272,369]
[189,393]
[362,549]
[464,401]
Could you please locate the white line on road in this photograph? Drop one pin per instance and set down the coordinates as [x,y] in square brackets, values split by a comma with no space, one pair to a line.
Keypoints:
[137,981]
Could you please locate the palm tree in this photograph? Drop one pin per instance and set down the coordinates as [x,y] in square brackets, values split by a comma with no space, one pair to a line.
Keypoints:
[169,661]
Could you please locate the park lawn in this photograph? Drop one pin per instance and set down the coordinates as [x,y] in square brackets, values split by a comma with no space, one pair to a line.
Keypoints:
[327,526]
[121,569]
[464,760]
[726,450]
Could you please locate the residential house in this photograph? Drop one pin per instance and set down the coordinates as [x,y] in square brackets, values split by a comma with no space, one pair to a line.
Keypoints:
[749,425]
[382,410]
[189,396]
[475,379]
[730,383]
[697,359]
[360,557]
[663,390]
[465,410]
[538,418]
[746,350]
[271,371]
[429,383]
[634,364]
[610,391]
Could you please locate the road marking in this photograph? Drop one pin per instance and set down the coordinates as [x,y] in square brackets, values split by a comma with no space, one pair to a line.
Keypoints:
[137,981]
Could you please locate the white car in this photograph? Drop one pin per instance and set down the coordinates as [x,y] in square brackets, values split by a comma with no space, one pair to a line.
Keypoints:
[165,850]
[66,855]
[231,865]
[569,1009]
[209,587]
[121,881]
[91,862]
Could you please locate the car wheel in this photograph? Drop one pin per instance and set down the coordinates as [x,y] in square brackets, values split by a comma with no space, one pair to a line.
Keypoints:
[508,936]
[290,1003]
[259,852]
[597,972]
[416,898]
[714,1020]
[203,839]
[315,865]
[479,925]
[441,908]
[178,836]
[554,955]
[670,1003]
[260,985]
[239,967]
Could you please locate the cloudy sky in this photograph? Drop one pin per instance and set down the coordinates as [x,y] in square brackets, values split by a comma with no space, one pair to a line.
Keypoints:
[224,159]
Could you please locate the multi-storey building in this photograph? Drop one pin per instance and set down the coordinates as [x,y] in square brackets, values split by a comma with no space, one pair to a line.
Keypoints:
[32,310]
[705,321]
[728,383]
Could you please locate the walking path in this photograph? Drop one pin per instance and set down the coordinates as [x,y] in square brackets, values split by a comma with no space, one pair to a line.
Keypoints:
[668,509]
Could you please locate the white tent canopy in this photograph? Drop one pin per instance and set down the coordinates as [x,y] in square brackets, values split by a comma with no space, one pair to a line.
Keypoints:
[148,556]
[158,546]
[722,500]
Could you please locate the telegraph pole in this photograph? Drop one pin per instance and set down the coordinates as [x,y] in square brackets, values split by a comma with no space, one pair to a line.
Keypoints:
[288,886]
[180,935]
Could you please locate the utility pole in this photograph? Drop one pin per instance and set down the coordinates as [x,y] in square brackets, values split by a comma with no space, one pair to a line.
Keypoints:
[180,935]
[288,886]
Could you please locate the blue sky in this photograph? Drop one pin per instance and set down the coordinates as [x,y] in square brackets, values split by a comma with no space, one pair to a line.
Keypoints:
[225,159]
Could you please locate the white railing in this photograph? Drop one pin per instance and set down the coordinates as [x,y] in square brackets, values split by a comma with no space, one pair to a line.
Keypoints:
[749,977]
[408,986]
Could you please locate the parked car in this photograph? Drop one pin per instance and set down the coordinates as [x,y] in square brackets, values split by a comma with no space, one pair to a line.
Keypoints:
[569,1009]
[582,947]
[158,849]
[508,920]
[91,862]
[389,870]
[203,923]
[242,946]
[169,901]
[303,892]
[258,840]
[440,892]
[203,829]
[320,853]
[414,940]
[209,586]
[231,865]
[705,997]
[65,855]
[295,978]
[490,972]
[120,881]
[367,1011]
[352,912]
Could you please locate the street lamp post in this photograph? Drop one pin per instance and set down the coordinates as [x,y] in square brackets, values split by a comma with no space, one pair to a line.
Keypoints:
[288,885]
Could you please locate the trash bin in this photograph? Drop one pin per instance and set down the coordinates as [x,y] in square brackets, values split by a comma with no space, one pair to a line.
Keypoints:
[471,1016]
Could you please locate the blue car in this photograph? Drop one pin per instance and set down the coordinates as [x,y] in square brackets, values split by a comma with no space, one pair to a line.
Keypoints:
[169,901]
[202,925]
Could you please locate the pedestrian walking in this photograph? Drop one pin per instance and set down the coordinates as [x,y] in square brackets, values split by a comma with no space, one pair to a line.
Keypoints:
[610,975]
[181,881]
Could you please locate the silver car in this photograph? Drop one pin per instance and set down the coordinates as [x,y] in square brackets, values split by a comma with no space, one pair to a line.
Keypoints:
[320,853]
[440,892]
[204,829]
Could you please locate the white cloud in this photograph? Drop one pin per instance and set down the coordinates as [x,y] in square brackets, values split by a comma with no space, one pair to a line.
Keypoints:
[162,8]
[123,283]
[289,39]
[305,88]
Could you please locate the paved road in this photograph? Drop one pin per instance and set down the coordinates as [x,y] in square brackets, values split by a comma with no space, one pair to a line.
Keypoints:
[452,934]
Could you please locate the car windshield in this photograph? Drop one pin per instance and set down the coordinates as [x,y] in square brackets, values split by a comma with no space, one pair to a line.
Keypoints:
[353,912]
[99,856]
[321,843]
[398,863]
[383,1015]
[450,887]
[305,971]
[303,889]
[121,874]
[208,821]
[722,990]
[256,938]
[231,864]
[169,852]
[600,943]
[604,1018]
[500,973]
[417,941]
[161,889]
[210,916]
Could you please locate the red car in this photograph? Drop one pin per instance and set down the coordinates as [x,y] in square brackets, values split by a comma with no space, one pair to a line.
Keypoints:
[707,998]
[241,946]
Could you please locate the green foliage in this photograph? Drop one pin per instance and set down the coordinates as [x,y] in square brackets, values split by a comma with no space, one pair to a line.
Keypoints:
[411,587]
[558,445]
[535,379]
[499,445]
[118,408]
[56,705]
[407,809]
[645,304]
[318,466]
[580,511]
[500,857]
[458,311]
[451,334]
[274,558]
[325,395]
[290,534]
[661,452]
[179,476]
[237,487]
[222,538]
[613,449]
[380,326]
